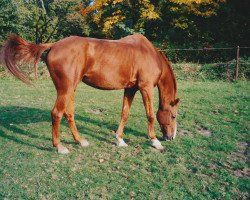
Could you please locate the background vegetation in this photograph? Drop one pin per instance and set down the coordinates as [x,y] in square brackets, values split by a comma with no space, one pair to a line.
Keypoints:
[169,24]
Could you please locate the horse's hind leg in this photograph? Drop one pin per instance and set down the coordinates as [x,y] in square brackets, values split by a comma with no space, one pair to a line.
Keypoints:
[57,113]
[69,115]
[127,101]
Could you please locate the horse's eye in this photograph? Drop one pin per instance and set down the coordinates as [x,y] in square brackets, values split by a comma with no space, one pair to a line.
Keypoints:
[173,116]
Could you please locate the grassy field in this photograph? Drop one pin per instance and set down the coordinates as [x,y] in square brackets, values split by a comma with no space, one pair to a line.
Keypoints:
[208,159]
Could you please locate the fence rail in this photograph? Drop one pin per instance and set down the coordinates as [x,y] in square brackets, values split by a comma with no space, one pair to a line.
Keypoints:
[204,49]
[237,60]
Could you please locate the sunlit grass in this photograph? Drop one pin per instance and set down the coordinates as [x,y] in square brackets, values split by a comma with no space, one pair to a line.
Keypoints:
[194,166]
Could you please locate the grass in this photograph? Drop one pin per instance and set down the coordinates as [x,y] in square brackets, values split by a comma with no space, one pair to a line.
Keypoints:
[207,160]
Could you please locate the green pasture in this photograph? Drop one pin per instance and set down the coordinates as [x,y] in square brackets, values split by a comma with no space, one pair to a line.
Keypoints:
[209,159]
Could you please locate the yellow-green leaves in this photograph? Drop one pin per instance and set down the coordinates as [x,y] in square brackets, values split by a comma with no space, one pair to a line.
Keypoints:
[148,10]
[110,13]
[203,8]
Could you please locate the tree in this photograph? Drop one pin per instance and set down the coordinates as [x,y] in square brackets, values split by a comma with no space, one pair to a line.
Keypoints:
[186,22]
[8,19]
[41,21]
[50,19]
[116,18]
[169,24]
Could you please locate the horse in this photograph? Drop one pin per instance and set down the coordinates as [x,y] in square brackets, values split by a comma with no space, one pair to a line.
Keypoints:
[131,63]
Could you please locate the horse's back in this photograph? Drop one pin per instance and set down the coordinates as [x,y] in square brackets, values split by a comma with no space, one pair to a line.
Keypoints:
[104,64]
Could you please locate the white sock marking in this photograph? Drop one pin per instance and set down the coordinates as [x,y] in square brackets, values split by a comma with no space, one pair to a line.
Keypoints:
[120,142]
[62,150]
[157,144]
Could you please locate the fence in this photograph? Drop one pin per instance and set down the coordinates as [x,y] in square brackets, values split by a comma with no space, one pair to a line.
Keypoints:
[237,55]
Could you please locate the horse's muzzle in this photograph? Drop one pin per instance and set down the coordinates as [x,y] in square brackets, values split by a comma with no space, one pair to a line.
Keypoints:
[165,137]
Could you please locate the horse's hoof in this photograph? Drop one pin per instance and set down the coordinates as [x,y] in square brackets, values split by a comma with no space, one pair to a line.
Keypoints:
[62,150]
[121,143]
[84,143]
[156,144]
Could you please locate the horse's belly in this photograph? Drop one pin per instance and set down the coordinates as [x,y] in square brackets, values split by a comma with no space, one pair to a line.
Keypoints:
[106,81]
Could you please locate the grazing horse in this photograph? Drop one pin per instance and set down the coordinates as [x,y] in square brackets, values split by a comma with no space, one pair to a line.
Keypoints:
[131,63]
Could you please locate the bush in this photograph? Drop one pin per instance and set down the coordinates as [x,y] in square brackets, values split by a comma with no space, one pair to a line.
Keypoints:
[226,71]
[220,71]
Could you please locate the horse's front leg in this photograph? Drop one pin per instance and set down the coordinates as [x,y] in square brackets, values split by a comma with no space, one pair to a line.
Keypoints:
[148,100]
[127,101]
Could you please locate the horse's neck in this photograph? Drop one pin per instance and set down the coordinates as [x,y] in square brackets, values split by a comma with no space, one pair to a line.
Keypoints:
[167,86]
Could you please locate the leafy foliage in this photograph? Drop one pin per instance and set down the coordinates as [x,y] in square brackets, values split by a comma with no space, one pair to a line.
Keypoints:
[169,24]
[8,19]
[120,17]
[41,21]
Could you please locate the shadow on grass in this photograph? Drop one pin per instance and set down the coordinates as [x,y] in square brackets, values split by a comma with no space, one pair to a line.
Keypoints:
[11,117]
[111,127]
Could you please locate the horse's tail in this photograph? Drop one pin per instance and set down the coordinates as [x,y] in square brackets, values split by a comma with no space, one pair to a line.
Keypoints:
[17,51]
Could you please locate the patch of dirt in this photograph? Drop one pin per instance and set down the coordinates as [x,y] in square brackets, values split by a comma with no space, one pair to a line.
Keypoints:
[245,173]
[132,195]
[241,155]
[238,156]
[184,132]
[96,111]
[137,150]
[243,147]
[204,131]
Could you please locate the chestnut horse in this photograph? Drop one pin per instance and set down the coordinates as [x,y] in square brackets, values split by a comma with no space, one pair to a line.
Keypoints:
[131,63]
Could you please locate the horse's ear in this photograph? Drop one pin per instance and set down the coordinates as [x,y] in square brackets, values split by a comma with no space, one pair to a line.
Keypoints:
[175,102]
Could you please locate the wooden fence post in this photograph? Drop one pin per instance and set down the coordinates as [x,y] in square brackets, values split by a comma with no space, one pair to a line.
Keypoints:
[237,63]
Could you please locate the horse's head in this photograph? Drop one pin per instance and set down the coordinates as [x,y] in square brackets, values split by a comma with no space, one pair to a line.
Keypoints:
[167,120]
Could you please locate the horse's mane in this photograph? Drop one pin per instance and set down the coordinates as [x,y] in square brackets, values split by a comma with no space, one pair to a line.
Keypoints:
[170,69]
